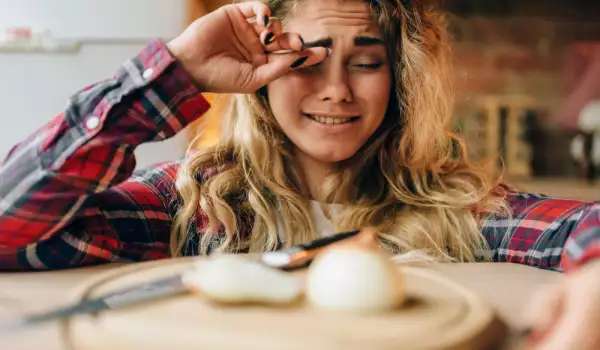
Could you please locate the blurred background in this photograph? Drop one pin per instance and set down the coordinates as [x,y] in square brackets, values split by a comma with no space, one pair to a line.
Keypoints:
[527,74]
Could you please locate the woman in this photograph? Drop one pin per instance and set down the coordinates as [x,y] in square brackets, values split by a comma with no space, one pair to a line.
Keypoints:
[346,128]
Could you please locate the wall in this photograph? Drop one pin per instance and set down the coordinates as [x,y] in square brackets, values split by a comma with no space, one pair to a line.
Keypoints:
[517,55]
[35,86]
[515,48]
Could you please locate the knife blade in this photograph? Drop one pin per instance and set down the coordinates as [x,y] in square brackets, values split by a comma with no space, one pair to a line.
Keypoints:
[168,286]
[296,257]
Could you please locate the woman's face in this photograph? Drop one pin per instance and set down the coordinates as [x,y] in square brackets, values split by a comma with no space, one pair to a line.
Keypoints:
[330,110]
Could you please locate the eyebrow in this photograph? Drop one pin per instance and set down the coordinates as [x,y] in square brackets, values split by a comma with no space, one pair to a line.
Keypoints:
[367,41]
[358,41]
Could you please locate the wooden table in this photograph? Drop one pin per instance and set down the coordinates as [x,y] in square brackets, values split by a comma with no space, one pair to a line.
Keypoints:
[506,286]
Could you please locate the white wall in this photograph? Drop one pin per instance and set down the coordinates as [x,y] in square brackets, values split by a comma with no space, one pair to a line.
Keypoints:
[35,86]
[97,18]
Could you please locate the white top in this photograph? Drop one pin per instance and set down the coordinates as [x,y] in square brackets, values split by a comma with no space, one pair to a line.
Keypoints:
[322,225]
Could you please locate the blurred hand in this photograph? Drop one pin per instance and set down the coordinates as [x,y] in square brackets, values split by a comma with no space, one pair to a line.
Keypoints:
[566,316]
[230,49]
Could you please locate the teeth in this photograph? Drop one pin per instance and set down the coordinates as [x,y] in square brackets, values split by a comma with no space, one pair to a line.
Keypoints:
[328,120]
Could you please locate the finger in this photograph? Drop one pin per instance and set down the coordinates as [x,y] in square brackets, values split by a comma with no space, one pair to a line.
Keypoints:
[279,65]
[286,41]
[255,9]
[249,42]
[267,38]
[270,34]
[273,26]
[568,334]
[544,309]
[576,328]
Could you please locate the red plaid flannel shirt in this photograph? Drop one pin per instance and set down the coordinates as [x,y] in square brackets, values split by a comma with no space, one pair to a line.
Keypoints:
[69,195]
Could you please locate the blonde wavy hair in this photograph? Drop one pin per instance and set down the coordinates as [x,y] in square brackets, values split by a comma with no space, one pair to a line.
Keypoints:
[413,180]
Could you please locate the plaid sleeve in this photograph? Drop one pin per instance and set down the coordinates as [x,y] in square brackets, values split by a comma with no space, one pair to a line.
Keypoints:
[67,196]
[549,233]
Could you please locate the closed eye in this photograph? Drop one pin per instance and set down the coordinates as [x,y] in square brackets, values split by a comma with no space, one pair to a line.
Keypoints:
[370,65]
[366,66]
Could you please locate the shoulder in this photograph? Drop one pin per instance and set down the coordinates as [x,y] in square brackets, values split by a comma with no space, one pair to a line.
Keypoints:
[520,201]
[523,201]
[534,209]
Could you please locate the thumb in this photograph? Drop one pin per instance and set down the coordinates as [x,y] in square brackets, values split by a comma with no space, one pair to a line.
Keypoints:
[544,309]
[280,64]
[572,329]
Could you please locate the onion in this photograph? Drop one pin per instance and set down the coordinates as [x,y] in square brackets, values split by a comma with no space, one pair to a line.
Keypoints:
[233,279]
[350,277]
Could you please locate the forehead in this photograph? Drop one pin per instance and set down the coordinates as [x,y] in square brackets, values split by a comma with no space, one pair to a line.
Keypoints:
[334,18]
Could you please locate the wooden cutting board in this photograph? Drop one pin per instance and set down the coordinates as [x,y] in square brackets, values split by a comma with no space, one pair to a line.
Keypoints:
[439,314]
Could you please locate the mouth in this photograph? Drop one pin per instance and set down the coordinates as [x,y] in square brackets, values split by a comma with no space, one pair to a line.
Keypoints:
[331,120]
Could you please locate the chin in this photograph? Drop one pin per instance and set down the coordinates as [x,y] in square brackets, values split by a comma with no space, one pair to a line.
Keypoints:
[332,155]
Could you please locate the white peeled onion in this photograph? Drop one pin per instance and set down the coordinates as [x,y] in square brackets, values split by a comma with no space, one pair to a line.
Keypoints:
[354,278]
[234,279]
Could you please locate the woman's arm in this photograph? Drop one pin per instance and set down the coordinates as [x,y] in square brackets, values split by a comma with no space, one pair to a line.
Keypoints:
[549,233]
[66,193]
[76,170]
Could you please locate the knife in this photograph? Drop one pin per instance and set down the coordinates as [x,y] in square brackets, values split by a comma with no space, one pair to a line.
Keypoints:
[296,257]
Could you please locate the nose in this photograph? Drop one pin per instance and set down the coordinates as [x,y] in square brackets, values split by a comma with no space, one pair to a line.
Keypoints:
[335,85]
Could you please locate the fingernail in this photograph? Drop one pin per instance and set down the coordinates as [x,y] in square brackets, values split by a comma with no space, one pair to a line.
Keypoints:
[269,38]
[328,52]
[299,62]
[266,20]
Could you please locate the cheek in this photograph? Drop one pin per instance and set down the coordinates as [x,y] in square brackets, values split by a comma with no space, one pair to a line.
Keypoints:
[285,95]
[373,93]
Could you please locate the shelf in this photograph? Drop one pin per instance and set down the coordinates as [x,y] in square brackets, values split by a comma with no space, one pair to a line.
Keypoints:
[66,45]
[63,47]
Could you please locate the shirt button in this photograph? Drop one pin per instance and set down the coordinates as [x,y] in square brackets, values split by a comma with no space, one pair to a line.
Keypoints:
[148,73]
[92,123]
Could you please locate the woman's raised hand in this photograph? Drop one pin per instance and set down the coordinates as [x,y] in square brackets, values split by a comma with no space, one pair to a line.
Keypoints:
[231,50]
